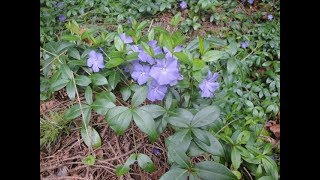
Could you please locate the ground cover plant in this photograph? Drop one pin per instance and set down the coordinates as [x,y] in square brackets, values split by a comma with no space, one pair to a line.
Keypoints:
[160,89]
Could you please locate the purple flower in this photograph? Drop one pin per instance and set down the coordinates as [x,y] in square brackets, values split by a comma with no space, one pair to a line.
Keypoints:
[177,49]
[144,57]
[126,39]
[62,18]
[140,73]
[244,44]
[156,49]
[209,85]
[155,151]
[270,17]
[156,91]
[95,61]
[183,5]
[166,71]
[250,1]
[60,4]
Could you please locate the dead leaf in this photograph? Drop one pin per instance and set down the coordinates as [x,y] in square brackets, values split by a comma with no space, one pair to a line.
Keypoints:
[275,129]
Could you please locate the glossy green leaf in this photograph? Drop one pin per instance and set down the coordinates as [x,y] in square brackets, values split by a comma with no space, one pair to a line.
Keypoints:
[145,123]
[168,101]
[183,57]
[215,147]
[176,19]
[71,91]
[61,83]
[125,93]
[101,106]
[74,53]
[114,62]
[209,170]
[205,116]
[88,95]
[146,163]
[212,56]
[154,110]
[106,95]
[82,80]
[90,137]
[114,79]
[139,96]
[98,79]
[181,139]
[201,46]
[179,157]
[235,158]
[118,43]
[119,118]
[175,174]
[75,111]
[201,135]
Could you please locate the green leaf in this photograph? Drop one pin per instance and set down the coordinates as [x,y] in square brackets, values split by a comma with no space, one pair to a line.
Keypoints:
[232,48]
[69,37]
[205,116]
[142,25]
[215,147]
[57,85]
[145,123]
[98,79]
[181,139]
[179,157]
[74,53]
[120,29]
[66,71]
[267,148]
[106,95]
[162,6]
[101,106]
[114,62]
[119,118]
[82,80]
[75,111]
[90,137]
[183,57]
[71,91]
[266,178]
[243,137]
[168,100]
[212,55]
[154,110]
[124,169]
[146,163]
[132,56]
[87,115]
[217,41]
[197,64]
[249,103]
[210,169]
[151,35]
[114,79]
[231,65]
[270,166]
[235,158]
[88,95]
[176,19]
[201,46]
[118,43]
[181,118]
[175,174]
[194,150]
[126,93]
[139,96]
[89,160]
[192,45]
[201,135]
[167,42]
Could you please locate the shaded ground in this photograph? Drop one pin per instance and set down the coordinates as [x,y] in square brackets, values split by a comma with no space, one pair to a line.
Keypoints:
[63,160]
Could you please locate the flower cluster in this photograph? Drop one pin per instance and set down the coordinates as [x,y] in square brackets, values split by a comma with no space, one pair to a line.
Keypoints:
[160,72]
[209,85]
